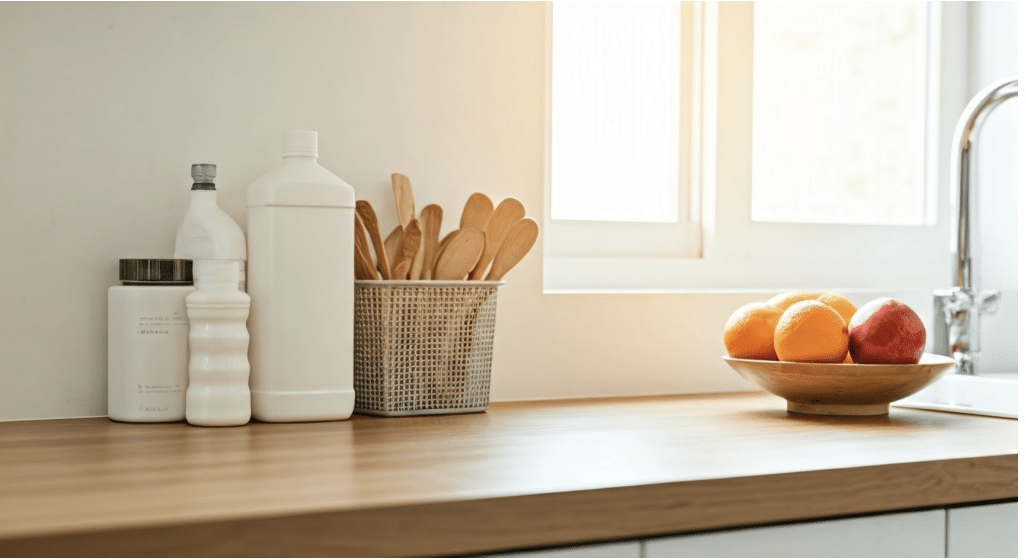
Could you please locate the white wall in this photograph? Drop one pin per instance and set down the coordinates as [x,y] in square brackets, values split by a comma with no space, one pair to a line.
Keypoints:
[103,107]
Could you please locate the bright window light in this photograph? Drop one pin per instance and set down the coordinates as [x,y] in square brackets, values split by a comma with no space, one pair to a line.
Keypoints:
[615,137]
[839,114]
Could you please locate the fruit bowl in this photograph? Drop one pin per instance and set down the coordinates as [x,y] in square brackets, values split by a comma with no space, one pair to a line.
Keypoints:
[842,389]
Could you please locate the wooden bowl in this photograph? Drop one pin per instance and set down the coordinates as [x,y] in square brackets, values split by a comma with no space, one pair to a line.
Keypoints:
[842,389]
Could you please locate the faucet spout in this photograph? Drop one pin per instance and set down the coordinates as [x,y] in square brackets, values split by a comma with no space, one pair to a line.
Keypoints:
[961,158]
[962,306]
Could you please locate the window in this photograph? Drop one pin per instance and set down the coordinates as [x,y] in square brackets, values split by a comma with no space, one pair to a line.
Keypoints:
[746,138]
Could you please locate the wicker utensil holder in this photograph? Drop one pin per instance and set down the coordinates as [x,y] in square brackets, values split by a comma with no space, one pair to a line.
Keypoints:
[423,347]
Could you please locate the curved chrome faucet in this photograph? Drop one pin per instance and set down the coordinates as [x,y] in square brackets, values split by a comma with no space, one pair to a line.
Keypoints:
[963,305]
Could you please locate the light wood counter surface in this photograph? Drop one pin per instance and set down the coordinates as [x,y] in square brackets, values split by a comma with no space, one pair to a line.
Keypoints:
[521,475]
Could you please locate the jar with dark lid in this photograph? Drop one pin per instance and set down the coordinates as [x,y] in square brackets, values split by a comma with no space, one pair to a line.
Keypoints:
[147,340]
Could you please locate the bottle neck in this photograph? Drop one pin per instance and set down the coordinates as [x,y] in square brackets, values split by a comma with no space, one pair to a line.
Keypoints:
[203,199]
[300,157]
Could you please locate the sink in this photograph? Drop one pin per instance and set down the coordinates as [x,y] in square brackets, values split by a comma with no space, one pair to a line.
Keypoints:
[993,394]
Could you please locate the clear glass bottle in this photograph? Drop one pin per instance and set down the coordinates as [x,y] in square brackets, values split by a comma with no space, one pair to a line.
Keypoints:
[218,393]
[147,341]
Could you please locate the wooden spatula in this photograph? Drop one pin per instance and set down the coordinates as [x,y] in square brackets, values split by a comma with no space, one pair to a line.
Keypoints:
[460,254]
[430,224]
[370,221]
[403,191]
[477,212]
[518,242]
[408,251]
[366,266]
[393,244]
[506,214]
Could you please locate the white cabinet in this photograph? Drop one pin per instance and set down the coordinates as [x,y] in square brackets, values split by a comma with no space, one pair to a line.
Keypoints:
[626,549]
[989,531]
[902,535]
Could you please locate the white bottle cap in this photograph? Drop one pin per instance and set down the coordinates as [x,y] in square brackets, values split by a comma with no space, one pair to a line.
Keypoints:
[210,273]
[299,143]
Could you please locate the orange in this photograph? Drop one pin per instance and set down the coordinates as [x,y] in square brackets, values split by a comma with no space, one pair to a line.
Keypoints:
[749,332]
[783,301]
[842,305]
[811,331]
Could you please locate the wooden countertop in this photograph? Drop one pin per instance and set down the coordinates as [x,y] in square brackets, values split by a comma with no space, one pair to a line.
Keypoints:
[521,475]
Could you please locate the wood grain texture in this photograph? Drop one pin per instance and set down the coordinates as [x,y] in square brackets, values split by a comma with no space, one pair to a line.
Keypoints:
[520,475]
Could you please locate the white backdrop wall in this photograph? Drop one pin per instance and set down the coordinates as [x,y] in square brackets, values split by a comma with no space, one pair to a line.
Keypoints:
[104,106]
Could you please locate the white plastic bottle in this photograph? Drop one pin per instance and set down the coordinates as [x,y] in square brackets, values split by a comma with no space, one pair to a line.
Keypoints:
[148,341]
[300,221]
[207,231]
[218,393]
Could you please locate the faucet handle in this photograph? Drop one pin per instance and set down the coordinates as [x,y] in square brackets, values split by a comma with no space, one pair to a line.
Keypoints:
[988,301]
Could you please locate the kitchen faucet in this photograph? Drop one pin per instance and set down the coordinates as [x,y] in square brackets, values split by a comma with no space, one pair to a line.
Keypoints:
[958,310]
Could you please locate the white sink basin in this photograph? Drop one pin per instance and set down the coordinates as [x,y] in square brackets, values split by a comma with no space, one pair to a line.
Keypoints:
[994,394]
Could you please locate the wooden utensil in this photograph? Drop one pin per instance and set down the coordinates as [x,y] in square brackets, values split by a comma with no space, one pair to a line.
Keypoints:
[360,265]
[363,250]
[506,214]
[403,191]
[441,248]
[460,254]
[408,251]
[393,244]
[370,221]
[518,242]
[476,212]
[430,224]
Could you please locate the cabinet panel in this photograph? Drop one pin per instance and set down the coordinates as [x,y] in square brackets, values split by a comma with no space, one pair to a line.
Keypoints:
[989,531]
[903,535]
[628,549]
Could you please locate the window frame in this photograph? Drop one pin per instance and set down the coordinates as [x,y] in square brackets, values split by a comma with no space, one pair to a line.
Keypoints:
[722,248]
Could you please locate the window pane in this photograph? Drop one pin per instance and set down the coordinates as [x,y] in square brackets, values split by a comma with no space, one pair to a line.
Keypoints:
[839,112]
[615,110]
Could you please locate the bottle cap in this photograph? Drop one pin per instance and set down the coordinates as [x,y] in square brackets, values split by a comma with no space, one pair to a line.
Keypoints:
[299,143]
[203,176]
[155,272]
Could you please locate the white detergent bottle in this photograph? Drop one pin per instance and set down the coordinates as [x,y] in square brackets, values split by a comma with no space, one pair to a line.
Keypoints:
[300,221]
[208,232]
[218,390]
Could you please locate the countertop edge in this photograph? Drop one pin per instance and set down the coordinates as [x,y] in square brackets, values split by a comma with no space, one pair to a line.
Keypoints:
[477,526]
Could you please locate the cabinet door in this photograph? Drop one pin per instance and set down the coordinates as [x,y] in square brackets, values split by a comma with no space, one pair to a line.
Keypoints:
[989,531]
[901,535]
[627,549]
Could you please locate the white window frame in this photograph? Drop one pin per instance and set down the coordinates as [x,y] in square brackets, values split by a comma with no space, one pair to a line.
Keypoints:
[729,251]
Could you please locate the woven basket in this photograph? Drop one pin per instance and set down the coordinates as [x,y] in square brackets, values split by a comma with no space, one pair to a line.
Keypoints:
[423,347]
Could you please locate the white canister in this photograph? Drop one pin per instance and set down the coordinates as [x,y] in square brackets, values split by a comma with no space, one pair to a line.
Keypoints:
[218,393]
[147,341]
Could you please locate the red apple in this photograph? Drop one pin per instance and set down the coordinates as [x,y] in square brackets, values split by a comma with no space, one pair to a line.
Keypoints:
[886,331]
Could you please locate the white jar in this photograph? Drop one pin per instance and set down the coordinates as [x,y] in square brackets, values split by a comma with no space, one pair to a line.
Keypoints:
[218,393]
[147,341]
[207,232]
[300,221]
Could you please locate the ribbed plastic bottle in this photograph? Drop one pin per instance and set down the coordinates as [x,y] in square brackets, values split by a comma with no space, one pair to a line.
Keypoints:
[218,390]
[207,232]
[300,221]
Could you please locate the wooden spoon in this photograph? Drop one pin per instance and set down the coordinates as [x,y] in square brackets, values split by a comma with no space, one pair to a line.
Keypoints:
[507,213]
[430,223]
[363,251]
[477,212]
[393,243]
[403,192]
[518,242]
[361,266]
[460,254]
[408,251]
[370,221]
